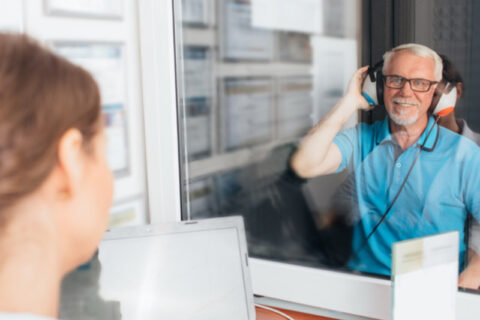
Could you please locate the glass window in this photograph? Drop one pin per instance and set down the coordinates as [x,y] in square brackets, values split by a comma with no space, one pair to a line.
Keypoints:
[254,77]
[457,46]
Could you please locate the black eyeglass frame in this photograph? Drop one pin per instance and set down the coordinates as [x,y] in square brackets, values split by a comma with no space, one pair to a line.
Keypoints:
[405,80]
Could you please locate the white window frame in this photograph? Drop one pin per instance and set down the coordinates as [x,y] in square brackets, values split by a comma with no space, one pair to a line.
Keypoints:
[341,292]
[160,112]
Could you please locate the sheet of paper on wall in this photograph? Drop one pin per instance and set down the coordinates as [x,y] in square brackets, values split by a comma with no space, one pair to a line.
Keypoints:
[198,127]
[197,72]
[295,106]
[248,114]
[11,16]
[334,19]
[198,132]
[242,41]
[127,213]
[201,194]
[114,121]
[195,11]
[294,47]
[424,277]
[334,62]
[95,8]
[106,63]
[299,15]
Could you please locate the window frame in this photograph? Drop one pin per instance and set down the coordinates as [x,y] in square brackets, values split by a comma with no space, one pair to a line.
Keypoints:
[347,293]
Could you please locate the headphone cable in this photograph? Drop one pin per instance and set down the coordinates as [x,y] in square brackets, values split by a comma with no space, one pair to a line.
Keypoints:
[398,192]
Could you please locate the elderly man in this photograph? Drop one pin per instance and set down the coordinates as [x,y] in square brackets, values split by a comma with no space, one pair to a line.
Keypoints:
[411,177]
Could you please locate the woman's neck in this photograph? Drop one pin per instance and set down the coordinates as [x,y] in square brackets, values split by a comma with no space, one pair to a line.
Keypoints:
[450,123]
[30,275]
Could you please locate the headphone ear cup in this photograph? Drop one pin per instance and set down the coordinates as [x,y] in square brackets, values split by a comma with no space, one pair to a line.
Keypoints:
[372,89]
[446,102]
[369,88]
[380,87]
[437,96]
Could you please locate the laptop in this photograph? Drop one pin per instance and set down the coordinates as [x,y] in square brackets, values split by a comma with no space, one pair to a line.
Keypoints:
[186,270]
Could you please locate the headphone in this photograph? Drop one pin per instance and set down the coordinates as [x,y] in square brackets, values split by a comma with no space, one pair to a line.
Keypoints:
[372,91]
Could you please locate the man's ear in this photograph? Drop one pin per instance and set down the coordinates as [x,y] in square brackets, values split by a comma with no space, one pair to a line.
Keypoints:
[71,160]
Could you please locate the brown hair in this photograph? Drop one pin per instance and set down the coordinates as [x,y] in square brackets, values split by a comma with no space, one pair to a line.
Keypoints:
[41,96]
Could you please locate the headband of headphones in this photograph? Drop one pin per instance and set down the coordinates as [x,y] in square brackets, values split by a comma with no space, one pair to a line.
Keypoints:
[372,91]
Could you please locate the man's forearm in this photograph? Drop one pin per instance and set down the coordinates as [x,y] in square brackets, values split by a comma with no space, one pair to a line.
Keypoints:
[315,155]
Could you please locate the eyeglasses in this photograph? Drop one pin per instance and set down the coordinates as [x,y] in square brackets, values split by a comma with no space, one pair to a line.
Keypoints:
[397,82]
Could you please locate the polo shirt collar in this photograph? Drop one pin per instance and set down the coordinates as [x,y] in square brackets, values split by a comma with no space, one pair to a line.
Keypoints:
[384,134]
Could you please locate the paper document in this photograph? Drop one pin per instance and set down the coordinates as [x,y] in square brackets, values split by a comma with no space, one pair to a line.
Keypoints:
[94,8]
[195,11]
[241,40]
[11,16]
[424,277]
[249,116]
[299,15]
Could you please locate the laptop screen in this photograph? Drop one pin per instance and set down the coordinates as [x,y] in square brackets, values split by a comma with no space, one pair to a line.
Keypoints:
[194,270]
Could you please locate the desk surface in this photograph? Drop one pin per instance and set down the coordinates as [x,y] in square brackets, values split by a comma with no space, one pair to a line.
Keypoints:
[264,314]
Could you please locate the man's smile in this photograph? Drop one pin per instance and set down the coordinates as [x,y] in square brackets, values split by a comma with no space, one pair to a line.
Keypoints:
[404,103]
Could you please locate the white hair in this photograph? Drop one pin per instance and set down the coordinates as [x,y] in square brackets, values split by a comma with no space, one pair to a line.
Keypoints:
[419,50]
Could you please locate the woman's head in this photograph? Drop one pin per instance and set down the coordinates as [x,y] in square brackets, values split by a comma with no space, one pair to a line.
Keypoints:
[51,136]
[451,75]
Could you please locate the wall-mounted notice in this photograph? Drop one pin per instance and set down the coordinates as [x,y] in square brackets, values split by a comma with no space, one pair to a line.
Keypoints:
[294,47]
[424,277]
[240,39]
[288,15]
[195,11]
[248,112]
[106,63]
[86,8]
[334,62]
[128,213]
[197,72]
[295,107]
[198,92]
[334,18]
[198,127]
[201,198]
[11,15]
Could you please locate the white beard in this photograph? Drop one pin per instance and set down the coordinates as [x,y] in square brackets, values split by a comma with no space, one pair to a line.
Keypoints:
[403,120]
[400,116]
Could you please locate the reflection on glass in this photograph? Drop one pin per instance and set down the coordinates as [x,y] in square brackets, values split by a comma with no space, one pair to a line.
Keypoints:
[240,40]
[167,274]
[273,76]
[250,89]
[294,107]
[248,113]
[411,175]
[81,299]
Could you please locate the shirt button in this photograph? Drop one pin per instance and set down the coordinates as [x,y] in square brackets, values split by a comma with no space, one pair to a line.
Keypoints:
[398,165]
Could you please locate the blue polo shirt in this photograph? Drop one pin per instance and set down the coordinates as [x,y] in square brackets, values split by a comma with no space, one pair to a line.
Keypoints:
[442,188]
